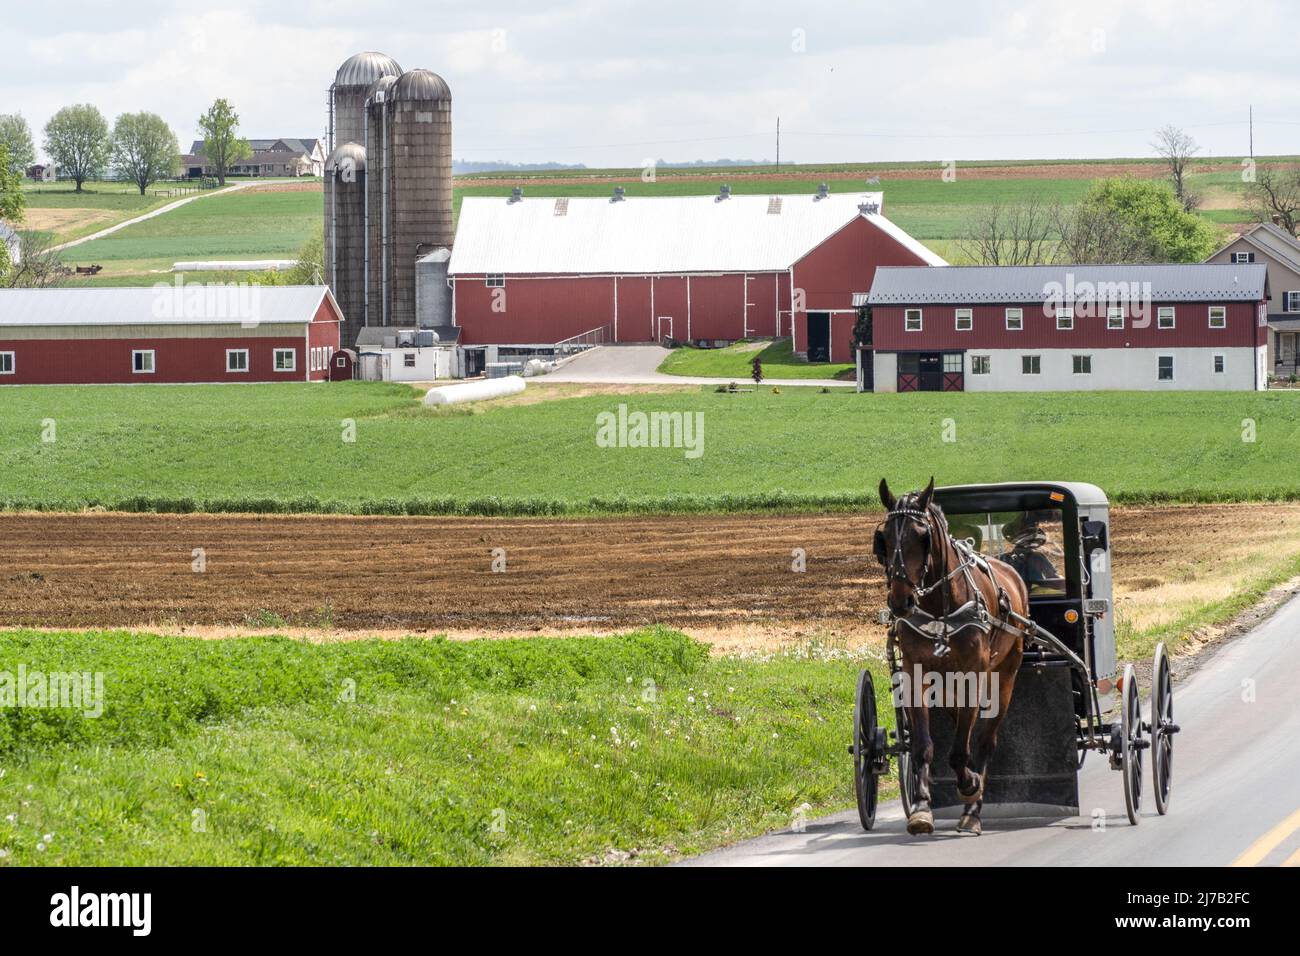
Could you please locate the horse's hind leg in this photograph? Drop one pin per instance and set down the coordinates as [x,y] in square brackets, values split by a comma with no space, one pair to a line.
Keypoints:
[921,820]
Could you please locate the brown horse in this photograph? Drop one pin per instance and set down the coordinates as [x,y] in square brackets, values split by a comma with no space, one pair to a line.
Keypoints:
[925,569]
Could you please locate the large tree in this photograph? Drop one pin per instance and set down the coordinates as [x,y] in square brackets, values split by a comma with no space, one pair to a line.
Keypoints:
[222,144]
[16,137]
[1167,232]
[12,201]
[1011,234]
[1178,148]
[145,148]
[77,140]
[1275,195]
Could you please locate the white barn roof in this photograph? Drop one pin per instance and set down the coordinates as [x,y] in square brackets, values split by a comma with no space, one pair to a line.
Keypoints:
[642,235]
[164,304]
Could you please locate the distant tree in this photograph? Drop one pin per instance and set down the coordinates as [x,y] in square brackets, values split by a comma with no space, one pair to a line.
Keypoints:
[1275,193]
[1011,234]
[77,140]
[39,267]
[145,148]
[1162,228]
[862,328]
[1092,232]
[12,201]
[1178,148]
[222,144]
[308,270]
[756,369]
[16,136]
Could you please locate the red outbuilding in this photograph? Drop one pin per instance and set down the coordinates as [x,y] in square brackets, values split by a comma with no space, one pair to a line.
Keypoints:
[167,333]
[682,268]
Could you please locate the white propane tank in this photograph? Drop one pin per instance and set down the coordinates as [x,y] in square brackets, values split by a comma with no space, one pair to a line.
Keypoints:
[474,391]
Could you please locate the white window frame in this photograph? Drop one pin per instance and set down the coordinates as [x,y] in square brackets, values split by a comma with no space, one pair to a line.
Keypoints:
[1218,364]
[293,359]
[1291,304]
[237,371]
[1066,313]
[1018,315]
[342,362]
[1114,312]
[495,280]
[981,360]
[1173,368]
[1030,360]
[1243,258]
[908,315]
[1223,316]
[153,362]
[408,360]
[1087,357]
[961,314]
[13,363]
[1166,310]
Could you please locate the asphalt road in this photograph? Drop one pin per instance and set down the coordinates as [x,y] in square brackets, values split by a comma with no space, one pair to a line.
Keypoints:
[1235,796]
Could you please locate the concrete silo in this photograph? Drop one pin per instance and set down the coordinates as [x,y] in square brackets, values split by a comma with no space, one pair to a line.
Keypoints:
[345,234]
[352,82]
[411,120]
[378,284]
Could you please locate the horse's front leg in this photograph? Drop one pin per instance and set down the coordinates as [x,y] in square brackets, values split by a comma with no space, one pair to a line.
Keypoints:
[970,785]
[921,819]
[986,738]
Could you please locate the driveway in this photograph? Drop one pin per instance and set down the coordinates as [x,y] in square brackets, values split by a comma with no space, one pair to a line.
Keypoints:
[639,364]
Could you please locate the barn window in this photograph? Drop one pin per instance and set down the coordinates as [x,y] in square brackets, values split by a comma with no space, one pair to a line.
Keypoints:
[964,321]
[911,320]
[980,364]
[408,360]
[342,362]
[1243,257]
[1015,320]
[1218,316]
[142,361]
[1082,364]
[236,360]
[1115,317]
[6,363]
[1165,317]
[496,280]
[286,360]
[952,362]
[1219,363]
[1065,319]
[1031,364]
[1165,368]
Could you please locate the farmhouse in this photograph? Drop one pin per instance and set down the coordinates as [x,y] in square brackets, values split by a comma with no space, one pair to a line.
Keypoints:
[701,269]
[190,333]
[288,156]
[1269,243]
[1027,328]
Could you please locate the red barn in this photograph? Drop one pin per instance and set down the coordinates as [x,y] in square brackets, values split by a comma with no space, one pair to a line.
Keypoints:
[167,333]
[687,268]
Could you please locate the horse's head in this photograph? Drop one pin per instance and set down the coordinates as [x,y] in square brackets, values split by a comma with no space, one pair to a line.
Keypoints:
[903,544]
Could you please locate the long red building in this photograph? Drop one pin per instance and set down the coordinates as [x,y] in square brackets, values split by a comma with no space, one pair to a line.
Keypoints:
[684,268]
[165,333]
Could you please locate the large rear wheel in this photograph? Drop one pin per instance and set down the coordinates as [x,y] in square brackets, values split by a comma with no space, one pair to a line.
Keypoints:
[1131,744]
[865,746]
[1163,729]
[908,775]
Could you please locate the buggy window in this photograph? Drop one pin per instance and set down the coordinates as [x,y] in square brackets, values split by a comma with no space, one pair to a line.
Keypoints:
[1032,542]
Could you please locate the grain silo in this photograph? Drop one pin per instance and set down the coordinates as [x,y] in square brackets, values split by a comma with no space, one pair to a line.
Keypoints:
[378,285]
[347,103]
[411,120]
[345,235]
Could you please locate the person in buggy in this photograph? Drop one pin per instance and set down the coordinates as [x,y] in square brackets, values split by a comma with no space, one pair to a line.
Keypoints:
[1027,538]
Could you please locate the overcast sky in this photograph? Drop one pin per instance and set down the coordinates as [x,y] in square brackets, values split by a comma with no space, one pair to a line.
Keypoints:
[611,83]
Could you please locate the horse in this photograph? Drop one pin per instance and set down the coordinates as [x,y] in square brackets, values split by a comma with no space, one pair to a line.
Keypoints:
[926,569]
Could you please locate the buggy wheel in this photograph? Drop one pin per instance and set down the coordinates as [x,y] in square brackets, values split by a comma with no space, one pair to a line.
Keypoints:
[907,773]
[1163,729]
[1131,745]
[866,783]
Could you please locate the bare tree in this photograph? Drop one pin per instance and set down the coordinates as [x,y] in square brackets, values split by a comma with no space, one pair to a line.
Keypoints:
[38,267]
[1014,234]
[1178,148]
[1093,233]
[1275,197]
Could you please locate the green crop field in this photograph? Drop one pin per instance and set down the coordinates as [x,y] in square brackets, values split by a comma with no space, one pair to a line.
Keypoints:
[283,447]
[269,751]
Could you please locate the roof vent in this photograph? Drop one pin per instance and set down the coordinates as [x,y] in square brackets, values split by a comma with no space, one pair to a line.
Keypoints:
[562,206]
[873,181]
[618,194]
[516,194]
[869,208]
[774,205]
[823,191]
[724,192]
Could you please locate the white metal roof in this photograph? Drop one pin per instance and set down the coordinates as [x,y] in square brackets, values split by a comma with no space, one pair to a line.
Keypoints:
[162,304]
[656,235]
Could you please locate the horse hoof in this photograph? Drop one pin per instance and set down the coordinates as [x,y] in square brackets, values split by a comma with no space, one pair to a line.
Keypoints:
[920,823]
[976,795]
[969,825]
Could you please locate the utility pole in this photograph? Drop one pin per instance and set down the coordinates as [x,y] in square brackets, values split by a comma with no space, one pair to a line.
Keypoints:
[1252,130]
[778,143]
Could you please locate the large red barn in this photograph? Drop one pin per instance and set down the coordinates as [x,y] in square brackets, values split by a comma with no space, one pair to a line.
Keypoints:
[167,333]
[686,268]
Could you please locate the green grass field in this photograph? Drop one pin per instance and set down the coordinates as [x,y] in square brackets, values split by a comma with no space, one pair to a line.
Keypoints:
[266,751]
[282,448]
[777,360]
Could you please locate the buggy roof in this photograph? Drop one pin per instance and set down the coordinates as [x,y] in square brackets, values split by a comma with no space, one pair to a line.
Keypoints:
[1081,492]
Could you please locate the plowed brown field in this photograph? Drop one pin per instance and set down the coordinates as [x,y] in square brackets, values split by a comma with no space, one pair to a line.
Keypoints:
[723,578]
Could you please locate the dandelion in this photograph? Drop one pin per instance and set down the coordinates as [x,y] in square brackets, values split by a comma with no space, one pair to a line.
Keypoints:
[4,854]
[12,818]
[532,709]
[690,699]
[48,838]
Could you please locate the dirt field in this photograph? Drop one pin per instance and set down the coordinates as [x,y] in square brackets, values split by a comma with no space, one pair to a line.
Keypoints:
[725,579]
